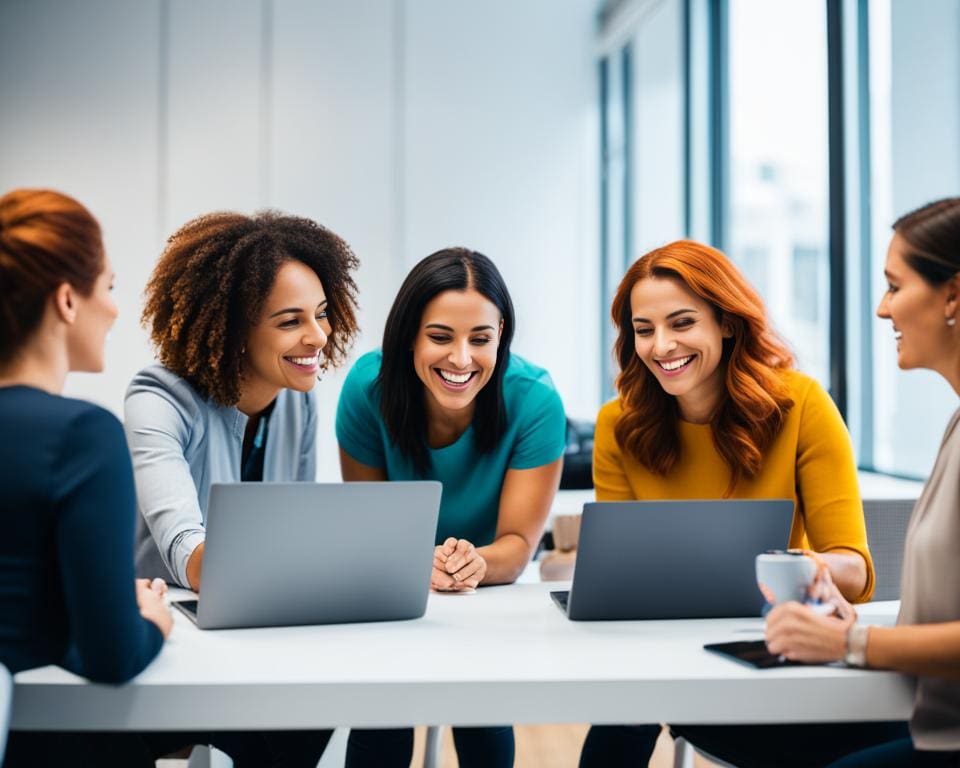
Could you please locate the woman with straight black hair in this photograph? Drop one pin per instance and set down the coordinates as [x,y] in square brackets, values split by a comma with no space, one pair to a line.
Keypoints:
[445,399]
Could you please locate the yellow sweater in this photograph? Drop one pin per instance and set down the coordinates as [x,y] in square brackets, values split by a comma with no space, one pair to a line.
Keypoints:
[810,461]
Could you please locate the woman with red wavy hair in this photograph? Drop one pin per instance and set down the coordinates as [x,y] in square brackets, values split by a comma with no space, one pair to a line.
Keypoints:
[710,406]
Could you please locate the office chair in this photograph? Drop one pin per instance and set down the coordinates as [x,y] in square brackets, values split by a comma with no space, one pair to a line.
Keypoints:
[578,456]
[6,704]
[887,521]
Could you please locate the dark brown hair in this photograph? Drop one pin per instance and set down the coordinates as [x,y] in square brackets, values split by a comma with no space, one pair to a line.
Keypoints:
[757,400]
[933,234]
[212,279]
[46,239]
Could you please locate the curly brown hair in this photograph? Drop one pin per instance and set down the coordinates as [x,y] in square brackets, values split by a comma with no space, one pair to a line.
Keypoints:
[212,279]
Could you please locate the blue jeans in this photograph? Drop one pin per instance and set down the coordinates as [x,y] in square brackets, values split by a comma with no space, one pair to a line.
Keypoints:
[491,747]
[746,746]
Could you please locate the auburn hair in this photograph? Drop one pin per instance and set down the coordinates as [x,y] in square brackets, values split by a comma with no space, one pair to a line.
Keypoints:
[757,399]
[46,239]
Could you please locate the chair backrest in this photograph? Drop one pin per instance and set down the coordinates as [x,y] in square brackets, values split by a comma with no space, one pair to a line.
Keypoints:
[578,456]
[6,699]
[887,521]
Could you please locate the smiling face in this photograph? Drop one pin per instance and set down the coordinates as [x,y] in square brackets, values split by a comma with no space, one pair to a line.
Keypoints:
[455,350]
[283,348]
[918,311]
[678,337]
[95,316]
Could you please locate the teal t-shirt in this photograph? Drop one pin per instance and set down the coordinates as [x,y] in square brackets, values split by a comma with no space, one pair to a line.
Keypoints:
[470,502]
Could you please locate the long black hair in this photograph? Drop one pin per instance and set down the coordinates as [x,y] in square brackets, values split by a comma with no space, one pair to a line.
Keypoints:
[401,391]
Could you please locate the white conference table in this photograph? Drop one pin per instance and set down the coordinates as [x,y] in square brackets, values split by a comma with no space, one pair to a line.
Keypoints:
[500,655]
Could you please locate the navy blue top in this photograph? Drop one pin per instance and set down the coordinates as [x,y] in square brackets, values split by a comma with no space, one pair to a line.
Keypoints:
[67,513]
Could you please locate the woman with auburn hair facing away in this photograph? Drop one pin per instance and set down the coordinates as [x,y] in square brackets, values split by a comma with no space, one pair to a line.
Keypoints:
[922,302]
[710,407]
[446,400]
[67,589]
[244,311]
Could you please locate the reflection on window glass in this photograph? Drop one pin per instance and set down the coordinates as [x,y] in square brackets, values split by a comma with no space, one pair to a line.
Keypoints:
[754,260]
[911,134]
[806,300]
[614,200]
[778,164]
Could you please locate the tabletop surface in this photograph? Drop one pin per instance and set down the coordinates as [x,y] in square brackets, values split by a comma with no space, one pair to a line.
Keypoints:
[498,655]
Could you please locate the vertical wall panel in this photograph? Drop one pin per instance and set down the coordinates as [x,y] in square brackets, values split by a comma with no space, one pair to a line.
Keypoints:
[404,126]
[79,114]
[333,151]
[501,156]
[214,110]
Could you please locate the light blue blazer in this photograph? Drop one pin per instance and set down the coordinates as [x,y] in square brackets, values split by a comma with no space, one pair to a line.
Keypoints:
[181,443]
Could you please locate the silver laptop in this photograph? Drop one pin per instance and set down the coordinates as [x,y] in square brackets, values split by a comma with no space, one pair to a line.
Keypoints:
[673,559]
[281,554]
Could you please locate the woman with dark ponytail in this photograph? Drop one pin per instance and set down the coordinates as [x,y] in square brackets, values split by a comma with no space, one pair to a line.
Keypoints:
[922,303]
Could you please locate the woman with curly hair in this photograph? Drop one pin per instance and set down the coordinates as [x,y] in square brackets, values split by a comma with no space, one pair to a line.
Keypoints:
[244,311]
[710,406]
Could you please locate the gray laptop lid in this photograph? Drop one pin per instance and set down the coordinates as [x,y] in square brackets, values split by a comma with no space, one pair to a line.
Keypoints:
[311,553]
[674,559]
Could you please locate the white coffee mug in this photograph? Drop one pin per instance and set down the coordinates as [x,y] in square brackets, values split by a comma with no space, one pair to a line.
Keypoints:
[784,576]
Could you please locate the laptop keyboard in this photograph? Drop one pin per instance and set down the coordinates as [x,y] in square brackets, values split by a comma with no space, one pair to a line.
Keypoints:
[189,607]
[561,598]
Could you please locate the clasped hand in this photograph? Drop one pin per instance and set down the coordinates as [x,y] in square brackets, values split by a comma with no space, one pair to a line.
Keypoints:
[152,601]
[457,566]
[804,633]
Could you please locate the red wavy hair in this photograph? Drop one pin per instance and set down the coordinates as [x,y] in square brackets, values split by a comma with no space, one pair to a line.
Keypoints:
[757,398]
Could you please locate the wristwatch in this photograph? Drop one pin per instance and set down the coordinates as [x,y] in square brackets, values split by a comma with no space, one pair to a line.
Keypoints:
[856,655]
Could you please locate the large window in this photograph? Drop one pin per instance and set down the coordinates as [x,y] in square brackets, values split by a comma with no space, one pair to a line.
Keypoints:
[777,200]
[808,127]
[615,223]
[914,106]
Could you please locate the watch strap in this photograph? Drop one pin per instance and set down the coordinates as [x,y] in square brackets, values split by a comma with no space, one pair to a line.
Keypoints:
[856,654]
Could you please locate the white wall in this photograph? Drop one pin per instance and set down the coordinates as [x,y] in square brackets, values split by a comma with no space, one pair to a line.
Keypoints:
[500,151]
[79,112]
[403,126]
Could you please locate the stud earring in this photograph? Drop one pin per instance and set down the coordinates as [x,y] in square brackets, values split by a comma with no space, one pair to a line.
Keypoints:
[951,321]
